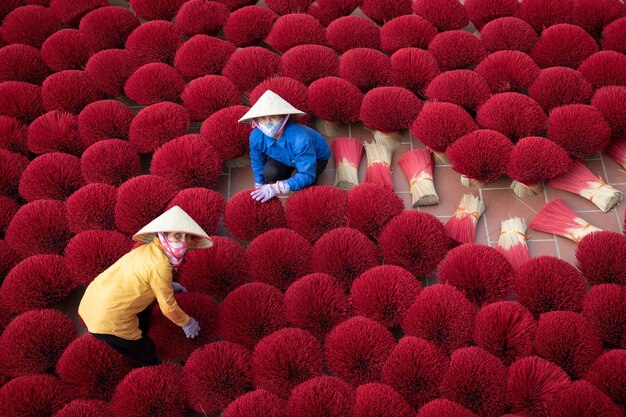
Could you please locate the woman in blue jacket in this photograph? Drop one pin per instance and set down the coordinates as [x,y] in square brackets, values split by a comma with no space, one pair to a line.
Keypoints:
[284,155]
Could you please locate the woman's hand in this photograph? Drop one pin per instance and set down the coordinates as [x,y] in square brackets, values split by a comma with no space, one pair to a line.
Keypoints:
[192,329]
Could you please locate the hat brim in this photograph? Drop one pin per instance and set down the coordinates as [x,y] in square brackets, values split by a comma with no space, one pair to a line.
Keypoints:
[199,242]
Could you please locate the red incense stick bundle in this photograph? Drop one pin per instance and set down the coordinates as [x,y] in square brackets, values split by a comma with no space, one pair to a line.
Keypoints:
[418,168]
[512,241]
[379,153]
[581,181]
[617,151]
[462,225]
[347,153]
[558,219]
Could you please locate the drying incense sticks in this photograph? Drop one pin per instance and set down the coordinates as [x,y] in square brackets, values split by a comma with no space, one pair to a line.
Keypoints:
[581,181]
[512,241]
[418,168]
[462,225]
[558,219]
[347,153]
[617,151]
[379,153]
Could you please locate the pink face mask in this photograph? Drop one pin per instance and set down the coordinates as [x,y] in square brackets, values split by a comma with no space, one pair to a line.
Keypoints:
[175,250]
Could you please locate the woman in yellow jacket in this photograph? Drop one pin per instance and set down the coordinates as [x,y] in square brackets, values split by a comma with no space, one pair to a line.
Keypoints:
[116,305]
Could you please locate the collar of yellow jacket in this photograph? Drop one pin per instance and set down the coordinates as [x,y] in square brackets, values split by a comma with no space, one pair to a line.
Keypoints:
[175,220]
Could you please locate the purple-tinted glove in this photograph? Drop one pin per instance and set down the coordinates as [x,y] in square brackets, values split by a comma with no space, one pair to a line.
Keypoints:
[192,329]
[269,191]
[178,288]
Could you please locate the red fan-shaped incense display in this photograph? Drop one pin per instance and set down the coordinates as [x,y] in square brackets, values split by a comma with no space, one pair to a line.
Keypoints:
[256,403]
[579,129]
[541,14]
[613,35]
[607,373]
[441,314]
[293,30]
[563,45]
[414,240]
[351,32]
[329,11]
[40,281]
[413,69]
[202,55]
[456,49]
[285,359]
[480,156]
[461,87]
[320,397]
[533,160]
[67,49]
[365,68]
[444,408]
[227,136]
[251,312]
[481,12]
[505,329]
[249,25]
[201,17]
[376,398]
[307,63]
[317,210]
[217,270]
[357,349]
[444,15]
[22,101]
[247,67]
[13,135]
[216,374]
[558,86]
[508,71]
[70,91]
[109,70]
[70,13]
[153,83]
[110,161]
[82,408]
[533,385]
[55,131]
[294,262]
[387,110]
[206,95]
[316,303]
[246,218]
[93,367]
[462,225]
[30,25]
[600,258]
[567,339]
[583,398]
[594,15]
[371,206]
[611,101]
[381,11]
[92,207]
[33,342]
[109,26]
[415,369]
[334,100]
[384,294]
[22,63]
[156,125]
[508,33]
[27,395]
[53,176]
[155,41]
[514,115]
[605,308]
[581,181]
[406,31]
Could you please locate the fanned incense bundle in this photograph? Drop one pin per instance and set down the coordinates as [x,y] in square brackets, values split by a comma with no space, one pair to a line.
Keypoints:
[379,153]
[462,225]
[418,168]
[617,151]
[512,241]
[347,153]
[581,181]
[558,219]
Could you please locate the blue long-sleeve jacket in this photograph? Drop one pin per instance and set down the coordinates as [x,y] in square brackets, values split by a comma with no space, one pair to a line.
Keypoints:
[299,146]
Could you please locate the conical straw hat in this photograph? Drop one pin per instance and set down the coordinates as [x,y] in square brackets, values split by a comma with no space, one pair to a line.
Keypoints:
[175,220]
[270,104]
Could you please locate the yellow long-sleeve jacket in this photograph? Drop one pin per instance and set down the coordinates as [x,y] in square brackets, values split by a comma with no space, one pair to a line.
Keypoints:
[115,297]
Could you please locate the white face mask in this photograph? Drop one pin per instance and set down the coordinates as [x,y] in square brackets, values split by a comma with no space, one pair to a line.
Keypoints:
[271,129]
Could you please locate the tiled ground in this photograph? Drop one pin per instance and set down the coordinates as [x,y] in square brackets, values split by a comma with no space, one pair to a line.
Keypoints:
[499,199]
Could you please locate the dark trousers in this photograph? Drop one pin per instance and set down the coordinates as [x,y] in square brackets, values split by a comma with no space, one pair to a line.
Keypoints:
[277,171]
[141,351]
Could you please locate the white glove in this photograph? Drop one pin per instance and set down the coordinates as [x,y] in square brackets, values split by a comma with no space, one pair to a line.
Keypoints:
[268,191]
[178,288]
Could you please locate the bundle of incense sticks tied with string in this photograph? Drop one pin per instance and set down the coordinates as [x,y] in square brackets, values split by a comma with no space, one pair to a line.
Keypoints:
[617,151]
[347,153]
[379,153]
[512,241]
[462,225]
[418,168]
[558,219]
[581,181]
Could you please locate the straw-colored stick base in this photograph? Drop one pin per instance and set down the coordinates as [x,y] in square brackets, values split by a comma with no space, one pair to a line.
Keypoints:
[241,162]
[327,128]
[346,176]
[390,139]
[602,195]
[524,191]
[468,182]
[423,194]
[441,158]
